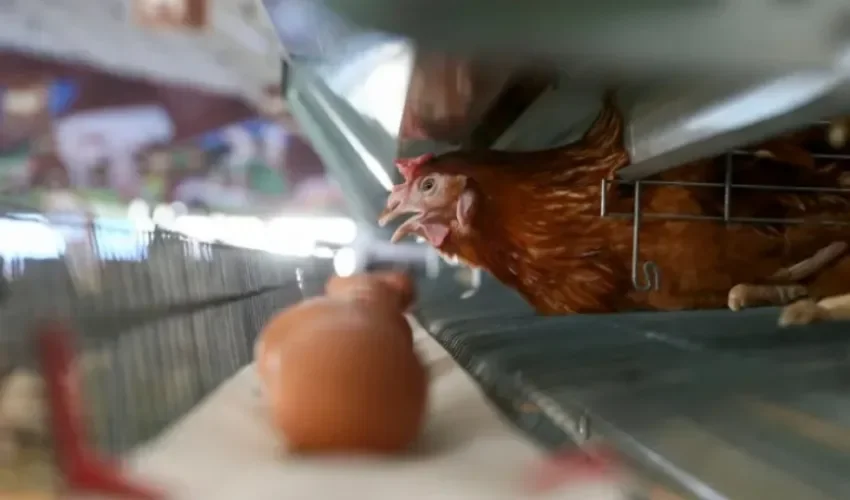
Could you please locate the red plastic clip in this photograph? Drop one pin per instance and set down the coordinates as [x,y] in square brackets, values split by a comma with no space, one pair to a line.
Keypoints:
[83,471]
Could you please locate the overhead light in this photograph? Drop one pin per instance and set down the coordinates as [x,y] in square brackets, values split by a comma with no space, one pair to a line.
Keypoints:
[383,94]
[199,227]
[179,208]
[242,231]
[335,230]
[323,253]
[163,215]
[139,214]
[345,261]
[368,158]
[29,239]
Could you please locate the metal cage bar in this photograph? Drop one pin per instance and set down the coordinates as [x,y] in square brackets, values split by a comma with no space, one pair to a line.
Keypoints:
[646,275]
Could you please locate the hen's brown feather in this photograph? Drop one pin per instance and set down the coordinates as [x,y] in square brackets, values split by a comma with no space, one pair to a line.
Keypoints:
[537,226]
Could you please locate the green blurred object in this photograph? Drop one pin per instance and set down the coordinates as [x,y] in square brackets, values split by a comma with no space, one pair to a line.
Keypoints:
[265,180]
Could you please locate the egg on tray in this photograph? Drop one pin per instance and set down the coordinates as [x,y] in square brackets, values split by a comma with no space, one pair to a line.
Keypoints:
[340,373]
[395,289]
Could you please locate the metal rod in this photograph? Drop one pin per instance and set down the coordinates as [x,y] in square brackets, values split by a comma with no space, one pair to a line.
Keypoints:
[651,279]
[757,187]
[603,199]
[727,189]
[636,235]
[800,189]
[738,220]
[727,186]
[817,156]
[650,269]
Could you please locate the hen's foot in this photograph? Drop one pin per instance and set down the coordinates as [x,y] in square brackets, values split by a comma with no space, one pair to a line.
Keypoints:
[803,312]
[745,295]
[835,308]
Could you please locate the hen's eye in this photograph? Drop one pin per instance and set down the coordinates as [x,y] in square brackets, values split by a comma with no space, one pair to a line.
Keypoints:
[427,185]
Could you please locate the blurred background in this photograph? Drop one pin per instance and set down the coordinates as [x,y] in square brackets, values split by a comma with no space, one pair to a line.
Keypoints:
[127,148]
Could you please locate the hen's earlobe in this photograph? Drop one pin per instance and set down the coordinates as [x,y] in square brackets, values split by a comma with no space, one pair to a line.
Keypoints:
[466,204]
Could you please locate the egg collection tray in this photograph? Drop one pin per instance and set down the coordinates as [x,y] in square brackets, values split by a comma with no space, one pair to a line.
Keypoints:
[717,404]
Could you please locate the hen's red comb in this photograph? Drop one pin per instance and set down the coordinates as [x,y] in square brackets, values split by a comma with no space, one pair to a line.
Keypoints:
[408,166]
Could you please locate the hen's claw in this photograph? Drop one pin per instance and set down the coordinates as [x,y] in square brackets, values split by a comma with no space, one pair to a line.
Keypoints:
[746,295]
[737,297]
[803,312]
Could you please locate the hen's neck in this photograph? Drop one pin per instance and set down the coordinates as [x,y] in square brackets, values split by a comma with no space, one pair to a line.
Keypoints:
[526,219]
[538,206]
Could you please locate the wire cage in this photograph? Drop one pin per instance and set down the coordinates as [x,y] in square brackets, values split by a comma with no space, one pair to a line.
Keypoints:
[645,274]
[133,339]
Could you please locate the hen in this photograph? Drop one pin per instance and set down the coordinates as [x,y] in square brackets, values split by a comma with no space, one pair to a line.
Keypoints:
[532,220]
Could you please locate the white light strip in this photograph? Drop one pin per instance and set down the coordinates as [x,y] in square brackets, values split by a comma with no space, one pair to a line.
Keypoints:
[369,159]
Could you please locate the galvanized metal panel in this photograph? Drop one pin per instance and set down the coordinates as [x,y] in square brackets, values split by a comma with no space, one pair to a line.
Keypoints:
[757,37]
[328,122]
[695,397]
[674,124]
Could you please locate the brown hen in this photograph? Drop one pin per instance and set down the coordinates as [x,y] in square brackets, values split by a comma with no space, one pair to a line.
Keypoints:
[532,220]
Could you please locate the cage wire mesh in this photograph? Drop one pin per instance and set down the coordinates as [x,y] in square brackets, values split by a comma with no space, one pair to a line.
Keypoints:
[155,331]
[646,275]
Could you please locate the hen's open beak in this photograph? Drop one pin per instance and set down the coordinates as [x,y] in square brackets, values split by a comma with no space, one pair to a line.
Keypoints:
[390,213]
[395,208]
[409,226]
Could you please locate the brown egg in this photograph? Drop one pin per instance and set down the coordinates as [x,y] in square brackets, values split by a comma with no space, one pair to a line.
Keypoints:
[388,287]
[374,294]
[348,381]
[278,329]
[401,283]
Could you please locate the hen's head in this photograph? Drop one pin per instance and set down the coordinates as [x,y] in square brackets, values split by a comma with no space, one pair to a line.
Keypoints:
[441,203]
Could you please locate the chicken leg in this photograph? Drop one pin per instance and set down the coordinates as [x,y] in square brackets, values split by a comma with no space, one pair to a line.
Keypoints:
[807,311]
[749,295]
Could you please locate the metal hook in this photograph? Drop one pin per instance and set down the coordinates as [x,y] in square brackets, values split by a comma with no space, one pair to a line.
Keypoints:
[651,275]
